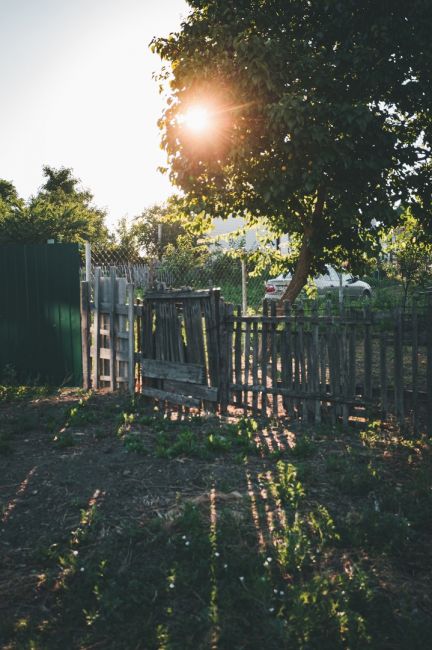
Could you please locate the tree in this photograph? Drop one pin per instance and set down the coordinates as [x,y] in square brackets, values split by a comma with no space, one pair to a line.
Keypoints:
[157,227]
[320,118]
[59,211]
[410,250]
[161,225]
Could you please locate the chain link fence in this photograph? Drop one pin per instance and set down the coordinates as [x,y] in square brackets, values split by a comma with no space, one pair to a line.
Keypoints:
[235,274]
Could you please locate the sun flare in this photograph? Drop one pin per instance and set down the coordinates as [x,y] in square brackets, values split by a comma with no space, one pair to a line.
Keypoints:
[197,119]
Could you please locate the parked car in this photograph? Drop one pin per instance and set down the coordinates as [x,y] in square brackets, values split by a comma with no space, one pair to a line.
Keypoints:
[326,283]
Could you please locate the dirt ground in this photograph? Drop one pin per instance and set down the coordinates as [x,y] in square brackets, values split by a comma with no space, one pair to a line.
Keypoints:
[67,454]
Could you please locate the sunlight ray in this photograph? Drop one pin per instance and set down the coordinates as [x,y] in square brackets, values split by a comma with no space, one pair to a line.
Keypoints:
[13,503]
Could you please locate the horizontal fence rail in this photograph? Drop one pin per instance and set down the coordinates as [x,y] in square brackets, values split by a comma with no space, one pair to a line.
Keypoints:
[192,349]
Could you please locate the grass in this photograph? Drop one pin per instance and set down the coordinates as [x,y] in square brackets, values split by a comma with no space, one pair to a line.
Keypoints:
[214,533]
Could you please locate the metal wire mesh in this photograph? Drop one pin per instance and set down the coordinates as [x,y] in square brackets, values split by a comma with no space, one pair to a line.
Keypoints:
[178,268]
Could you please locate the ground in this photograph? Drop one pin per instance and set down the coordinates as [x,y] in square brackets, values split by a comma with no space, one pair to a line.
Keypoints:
[126,529]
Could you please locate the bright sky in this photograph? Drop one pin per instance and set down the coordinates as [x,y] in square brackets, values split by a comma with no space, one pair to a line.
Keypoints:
[77,91]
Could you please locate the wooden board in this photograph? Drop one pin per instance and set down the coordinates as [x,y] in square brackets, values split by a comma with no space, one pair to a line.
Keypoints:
[188,372]
[193,390]
[174,398]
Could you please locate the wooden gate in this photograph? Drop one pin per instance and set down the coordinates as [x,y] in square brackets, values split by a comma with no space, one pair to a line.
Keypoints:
[180,349]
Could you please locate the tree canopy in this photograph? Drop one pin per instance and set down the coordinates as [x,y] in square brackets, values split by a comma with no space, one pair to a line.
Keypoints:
[319,118]
[60,211]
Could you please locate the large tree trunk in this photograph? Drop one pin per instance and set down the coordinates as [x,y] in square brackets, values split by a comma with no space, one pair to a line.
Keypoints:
[306,255]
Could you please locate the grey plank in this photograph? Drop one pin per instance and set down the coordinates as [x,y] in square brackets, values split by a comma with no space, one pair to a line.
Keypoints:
[96,329]
[85,334]
[131,341]
[223,358]
[161,369]
[174,398]
[255,353]
[238,355]
[207,393]
[264,357]
[247,365]
[398,367]
[112,329]
[367,354]
[383,374]
[274,360]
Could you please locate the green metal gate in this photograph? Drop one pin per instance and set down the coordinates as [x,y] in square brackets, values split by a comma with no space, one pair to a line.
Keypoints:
[40,330]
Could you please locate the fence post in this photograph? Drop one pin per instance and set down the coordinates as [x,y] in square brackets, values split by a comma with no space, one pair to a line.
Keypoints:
[85,333]
[96,330]
[88,261]
[112,328]
[398,367]
[244,286]
[131,338]
[223,358]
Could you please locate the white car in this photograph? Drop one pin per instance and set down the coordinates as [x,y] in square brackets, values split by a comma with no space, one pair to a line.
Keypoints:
[326,283]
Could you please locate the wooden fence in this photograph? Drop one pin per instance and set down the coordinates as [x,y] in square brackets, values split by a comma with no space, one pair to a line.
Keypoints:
[313,365]
[190,348]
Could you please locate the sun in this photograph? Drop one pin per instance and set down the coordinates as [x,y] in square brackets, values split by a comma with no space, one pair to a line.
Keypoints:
[197,119]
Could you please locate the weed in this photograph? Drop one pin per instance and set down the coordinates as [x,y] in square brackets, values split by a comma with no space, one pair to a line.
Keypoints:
[133,442]
[352,476]
[372,435]
[305,447]
[379,530]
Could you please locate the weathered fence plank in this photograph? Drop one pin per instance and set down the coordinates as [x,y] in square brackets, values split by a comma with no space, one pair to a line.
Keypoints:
[96,330]
[160,369]
[174,398]
[85,334]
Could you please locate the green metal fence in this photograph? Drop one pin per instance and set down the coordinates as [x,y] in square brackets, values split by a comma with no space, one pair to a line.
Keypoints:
[40,330]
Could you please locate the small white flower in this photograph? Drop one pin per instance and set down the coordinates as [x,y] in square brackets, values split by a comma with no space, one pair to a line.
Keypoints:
[281,593]
[187,543]
[183,536]
[225,566]
[266,563]
[275,591]
[171,585]
[82,569]
[75,553]
[241,578]
[217,554]
[269,559]
[271,609]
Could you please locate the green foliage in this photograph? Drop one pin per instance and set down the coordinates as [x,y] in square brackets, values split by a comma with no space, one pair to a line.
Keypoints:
[59,211]
[157,231]
[409,248]
[304,447]
[315,127]
[353,476]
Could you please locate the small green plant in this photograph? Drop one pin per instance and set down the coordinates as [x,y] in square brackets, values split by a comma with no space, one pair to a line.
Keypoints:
[352,475]
[186,443]
[372,435]
[133,442]
[305,447]
[372,528]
